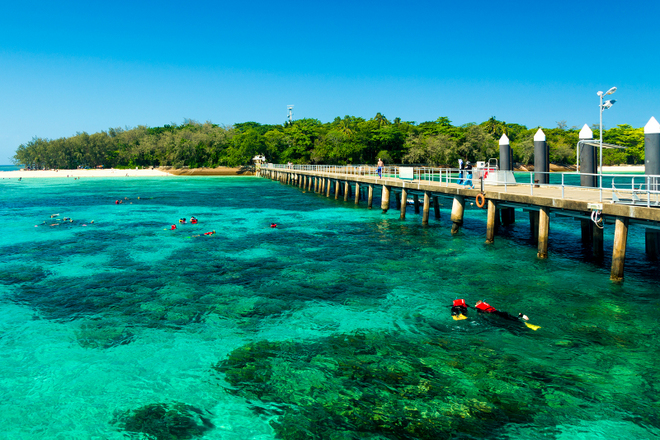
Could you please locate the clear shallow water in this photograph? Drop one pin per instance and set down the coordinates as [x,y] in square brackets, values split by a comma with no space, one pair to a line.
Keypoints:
[106,318]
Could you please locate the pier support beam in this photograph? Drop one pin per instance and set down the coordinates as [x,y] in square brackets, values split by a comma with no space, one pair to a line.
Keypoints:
[508,216]
[347,190]
[652,244]
[619,251]
[370,197]
[436,207]
[385,199]
[597,243]
[337,185]
[457,209]
[587,233]
[490,222]
[427,206]
[309,183]
[544,229]
[404,198]
[327,192]
[416,197]
[357,193]
[534,225]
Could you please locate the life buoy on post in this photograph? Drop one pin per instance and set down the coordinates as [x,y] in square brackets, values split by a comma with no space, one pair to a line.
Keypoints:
[481,200]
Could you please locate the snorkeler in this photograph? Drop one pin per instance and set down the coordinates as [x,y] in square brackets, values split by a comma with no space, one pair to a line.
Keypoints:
[210,233]
[273,225]
[193,220]
[182,220]
[459,310]
[484,307]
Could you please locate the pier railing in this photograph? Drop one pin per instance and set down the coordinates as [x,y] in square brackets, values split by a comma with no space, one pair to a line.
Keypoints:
[637,189]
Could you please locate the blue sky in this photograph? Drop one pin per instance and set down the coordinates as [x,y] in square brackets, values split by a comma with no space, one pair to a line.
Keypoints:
[69,66]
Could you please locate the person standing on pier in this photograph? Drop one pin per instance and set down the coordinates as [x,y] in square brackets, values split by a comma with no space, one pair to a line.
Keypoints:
[468,171]
[460,172]
[380,168]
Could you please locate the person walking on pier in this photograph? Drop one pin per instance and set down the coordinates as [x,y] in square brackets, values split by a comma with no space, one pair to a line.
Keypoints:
[380,168]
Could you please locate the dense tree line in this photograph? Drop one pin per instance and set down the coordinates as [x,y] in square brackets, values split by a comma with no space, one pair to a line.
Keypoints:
[348,140]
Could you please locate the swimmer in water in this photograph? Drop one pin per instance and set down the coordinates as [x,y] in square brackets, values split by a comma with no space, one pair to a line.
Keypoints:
[210,233]
[484,307]
[273,225]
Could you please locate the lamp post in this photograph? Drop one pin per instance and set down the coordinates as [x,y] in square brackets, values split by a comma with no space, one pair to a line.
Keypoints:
[607,104]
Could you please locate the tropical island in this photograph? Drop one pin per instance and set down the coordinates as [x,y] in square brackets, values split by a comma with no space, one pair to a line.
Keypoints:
[347,140]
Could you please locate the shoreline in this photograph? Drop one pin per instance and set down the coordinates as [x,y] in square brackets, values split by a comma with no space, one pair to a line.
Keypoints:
[155,172]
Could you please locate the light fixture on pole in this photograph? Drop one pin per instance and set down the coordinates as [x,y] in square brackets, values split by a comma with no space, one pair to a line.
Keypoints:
[606,104]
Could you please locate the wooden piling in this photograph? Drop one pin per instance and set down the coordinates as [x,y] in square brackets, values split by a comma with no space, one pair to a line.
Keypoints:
[534,225]
[427,206]
[385,199]
[490,222]
[652,244]
[544,228]
[508,216]
[347,187]
[416,198]
[436,207]
[337,186]
[587,233]
[370,197]
[357,193]
[327,191]
[597,243]
[619,251]
[457,210]
[404,198]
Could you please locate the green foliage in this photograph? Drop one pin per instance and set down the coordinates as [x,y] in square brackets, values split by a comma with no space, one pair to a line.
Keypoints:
[347,140]
[625,136]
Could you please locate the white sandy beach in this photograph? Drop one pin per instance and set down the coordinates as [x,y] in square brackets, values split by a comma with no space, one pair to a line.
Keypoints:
[623,169]
[83,173]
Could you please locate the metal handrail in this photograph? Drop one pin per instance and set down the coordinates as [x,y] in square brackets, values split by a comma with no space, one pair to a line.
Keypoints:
[625,183]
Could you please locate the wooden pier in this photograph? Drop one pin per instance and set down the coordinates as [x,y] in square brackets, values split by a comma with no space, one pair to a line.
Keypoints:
[500,201]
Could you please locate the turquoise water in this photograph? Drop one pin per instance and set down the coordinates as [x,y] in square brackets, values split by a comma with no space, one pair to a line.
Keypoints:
[335,324]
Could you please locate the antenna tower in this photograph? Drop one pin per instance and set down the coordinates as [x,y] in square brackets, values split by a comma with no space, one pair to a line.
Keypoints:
[290,107]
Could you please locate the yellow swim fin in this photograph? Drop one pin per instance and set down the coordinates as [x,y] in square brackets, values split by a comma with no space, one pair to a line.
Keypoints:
[458,317]
[532,326]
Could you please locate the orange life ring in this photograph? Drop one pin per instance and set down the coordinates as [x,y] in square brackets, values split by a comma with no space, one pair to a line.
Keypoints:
[481,200]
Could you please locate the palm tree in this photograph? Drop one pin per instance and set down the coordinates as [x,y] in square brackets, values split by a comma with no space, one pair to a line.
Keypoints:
[382,120]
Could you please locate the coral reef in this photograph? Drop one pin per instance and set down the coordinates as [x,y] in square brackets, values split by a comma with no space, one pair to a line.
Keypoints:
[376,385]
[164,421]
